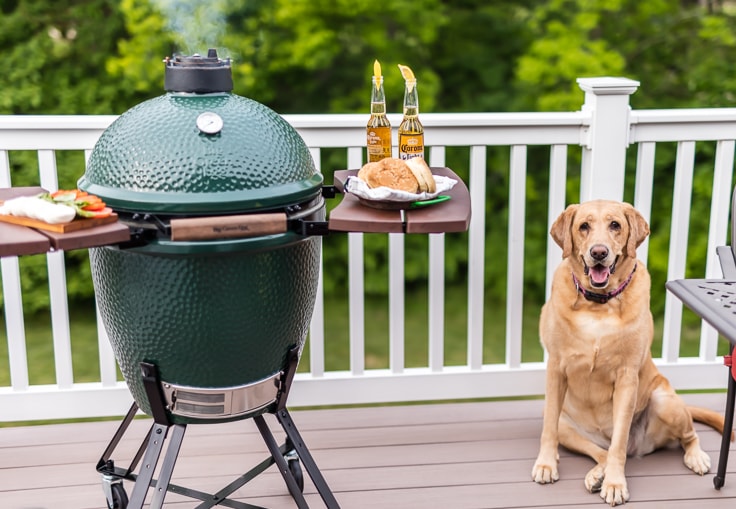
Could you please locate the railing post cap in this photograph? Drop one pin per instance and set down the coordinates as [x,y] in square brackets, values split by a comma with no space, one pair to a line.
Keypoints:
[608,85]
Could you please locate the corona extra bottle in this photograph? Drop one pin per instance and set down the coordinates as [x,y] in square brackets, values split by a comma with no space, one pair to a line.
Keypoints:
[411,131]
[378,130]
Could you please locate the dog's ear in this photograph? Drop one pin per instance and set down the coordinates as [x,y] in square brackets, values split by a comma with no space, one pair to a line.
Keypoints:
[638,230]
[561,230]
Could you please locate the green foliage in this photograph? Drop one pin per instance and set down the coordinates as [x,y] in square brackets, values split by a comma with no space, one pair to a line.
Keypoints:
[55,57]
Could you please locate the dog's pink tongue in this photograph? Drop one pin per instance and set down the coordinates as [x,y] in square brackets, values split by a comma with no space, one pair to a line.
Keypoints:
[599,274]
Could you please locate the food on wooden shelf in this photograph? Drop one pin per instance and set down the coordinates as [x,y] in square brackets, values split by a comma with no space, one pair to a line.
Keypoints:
[56,208]
[412,176]
[389,172]
[85,204]
[35,208]
[423,174]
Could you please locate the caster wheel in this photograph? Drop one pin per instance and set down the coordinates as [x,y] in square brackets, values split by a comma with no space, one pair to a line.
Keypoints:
[119,497]
[296,470]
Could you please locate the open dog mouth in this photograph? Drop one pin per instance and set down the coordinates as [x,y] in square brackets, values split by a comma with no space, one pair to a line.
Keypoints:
[599,273]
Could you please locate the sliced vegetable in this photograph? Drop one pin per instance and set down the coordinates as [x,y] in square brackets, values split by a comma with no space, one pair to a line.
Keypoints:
[64,196]
[95,206]
[84,204]
[97,214]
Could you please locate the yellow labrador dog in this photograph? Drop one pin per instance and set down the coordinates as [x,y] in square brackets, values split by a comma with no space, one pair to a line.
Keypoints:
[604,396]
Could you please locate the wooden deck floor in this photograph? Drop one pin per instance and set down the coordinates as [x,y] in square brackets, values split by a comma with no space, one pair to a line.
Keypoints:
[449,456]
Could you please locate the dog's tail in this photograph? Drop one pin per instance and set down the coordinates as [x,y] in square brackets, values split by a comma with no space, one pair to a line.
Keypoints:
[709,417]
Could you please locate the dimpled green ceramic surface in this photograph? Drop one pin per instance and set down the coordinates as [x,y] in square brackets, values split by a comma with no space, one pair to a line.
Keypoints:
[209,320]
[154,158]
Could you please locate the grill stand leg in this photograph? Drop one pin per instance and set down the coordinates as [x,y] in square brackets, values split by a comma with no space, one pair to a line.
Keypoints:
[167,468]
[152,446]
[273,448]
[148,467]
[295,439]
[720,479]
[284,418]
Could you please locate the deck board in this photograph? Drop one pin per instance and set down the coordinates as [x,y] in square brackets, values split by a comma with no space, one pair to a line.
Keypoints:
[475,455]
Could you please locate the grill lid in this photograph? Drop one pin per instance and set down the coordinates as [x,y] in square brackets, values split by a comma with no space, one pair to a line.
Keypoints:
[190,153]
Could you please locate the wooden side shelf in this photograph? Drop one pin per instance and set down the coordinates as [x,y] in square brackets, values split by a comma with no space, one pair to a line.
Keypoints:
[17,240]
[449,216]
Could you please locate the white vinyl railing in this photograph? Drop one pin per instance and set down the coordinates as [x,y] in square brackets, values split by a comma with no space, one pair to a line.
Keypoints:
[604,131]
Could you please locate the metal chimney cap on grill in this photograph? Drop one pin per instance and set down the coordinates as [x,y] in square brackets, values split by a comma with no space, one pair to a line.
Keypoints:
[198,74]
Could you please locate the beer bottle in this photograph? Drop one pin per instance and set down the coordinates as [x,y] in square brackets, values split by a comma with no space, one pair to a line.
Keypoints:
[411,131]
[378,130]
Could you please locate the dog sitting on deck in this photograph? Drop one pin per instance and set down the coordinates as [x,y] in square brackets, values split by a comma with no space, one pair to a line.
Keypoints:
[604,396]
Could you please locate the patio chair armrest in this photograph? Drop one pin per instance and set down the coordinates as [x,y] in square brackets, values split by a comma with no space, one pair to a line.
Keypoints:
[728,263]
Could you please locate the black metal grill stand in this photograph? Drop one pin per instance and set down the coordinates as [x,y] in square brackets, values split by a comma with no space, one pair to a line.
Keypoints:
[287,457]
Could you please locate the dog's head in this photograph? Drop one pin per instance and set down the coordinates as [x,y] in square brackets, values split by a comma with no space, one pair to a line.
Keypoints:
[601,234]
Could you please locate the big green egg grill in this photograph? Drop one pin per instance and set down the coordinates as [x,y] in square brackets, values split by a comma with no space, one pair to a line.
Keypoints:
[216,289]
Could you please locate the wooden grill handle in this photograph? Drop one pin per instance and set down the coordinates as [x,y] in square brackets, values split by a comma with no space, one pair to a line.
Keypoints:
[228,227]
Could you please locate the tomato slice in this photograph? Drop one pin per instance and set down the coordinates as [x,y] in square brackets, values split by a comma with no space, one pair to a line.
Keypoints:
[95,206]
[105,212]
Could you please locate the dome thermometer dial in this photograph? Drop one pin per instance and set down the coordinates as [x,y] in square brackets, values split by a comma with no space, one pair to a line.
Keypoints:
[209,122]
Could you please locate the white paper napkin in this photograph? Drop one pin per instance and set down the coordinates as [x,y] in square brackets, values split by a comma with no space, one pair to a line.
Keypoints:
[360,188]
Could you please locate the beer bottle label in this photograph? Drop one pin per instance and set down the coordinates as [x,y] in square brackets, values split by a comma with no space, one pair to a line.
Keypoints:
[411,146]
[378,142]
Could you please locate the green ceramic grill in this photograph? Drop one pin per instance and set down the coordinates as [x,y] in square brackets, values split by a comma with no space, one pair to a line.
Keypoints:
[216,287]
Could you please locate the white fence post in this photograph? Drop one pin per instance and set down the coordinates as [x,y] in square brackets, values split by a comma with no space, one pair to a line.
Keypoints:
[607,137]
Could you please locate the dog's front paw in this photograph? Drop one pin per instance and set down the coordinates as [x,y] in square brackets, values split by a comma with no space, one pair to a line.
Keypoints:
[545,471]
[614,493]
[697,460]
[594,478]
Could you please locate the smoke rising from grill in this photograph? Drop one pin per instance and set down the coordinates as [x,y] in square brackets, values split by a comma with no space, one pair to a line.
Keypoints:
[195,24]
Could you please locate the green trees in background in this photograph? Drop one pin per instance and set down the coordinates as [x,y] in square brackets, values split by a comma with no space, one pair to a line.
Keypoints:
[315,56]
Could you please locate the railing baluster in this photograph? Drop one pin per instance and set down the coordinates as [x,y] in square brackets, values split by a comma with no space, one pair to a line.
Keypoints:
[476,262]
[643,189]
[678,247]
[396,301]
[557,203]
[356,281]
[436,284]
[13,303]
[15,324]
[57,285]
[4,169]
[515,269]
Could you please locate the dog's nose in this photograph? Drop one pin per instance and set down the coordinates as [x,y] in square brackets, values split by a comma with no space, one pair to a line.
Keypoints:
[598,252]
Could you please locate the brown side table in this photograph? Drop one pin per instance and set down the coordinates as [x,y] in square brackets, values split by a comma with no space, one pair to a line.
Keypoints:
[16,240]
[449,216]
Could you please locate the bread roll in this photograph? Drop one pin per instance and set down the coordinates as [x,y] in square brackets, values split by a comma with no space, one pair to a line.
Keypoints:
[368,169]
[389,172]
[423,174]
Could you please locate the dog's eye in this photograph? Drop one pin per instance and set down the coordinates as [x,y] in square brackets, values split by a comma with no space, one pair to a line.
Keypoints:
[615,226]
[584,227]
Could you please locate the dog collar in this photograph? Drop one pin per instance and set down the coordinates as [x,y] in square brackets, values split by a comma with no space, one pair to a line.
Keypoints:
[602,298]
